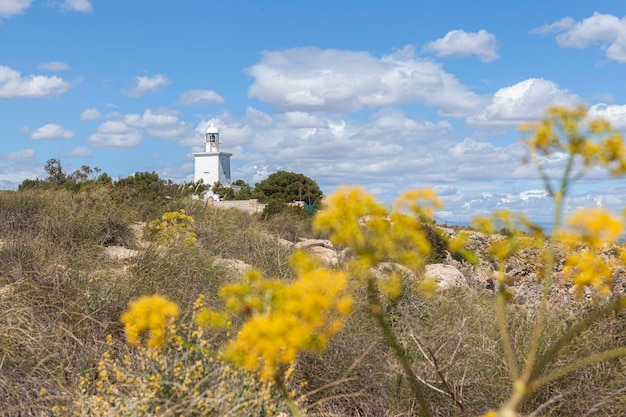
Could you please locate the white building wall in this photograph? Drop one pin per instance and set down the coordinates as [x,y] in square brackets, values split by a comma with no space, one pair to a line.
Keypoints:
[212,167]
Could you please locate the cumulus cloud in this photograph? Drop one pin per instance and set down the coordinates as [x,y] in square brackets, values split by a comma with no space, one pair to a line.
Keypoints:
[613,113]
[128,130]
[78,152]
[314,79]
[143,85]
[526,100]
[9,8]
[90,114]
[83,6]
[23,155]
[200,97]
[54,66]
[461,43]
[299,119]
[51,131]
[605,29]
[558,26]
[394,120]
[115,135]
[160,123]
[13,84]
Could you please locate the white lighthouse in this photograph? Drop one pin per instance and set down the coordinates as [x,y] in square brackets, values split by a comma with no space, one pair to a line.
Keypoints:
[212,165]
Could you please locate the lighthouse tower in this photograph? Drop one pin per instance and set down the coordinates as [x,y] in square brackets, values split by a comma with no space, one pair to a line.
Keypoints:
[212,165]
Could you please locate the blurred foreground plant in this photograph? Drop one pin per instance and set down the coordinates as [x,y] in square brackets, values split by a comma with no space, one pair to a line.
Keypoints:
[352,218]
[585,143]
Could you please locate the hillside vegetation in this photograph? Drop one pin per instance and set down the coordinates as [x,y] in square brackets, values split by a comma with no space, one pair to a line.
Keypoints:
[140,301]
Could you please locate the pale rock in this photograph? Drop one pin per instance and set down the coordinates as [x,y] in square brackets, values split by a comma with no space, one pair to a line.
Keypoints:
[236,265]
[326,256]
[120,252]
[384,269]
[308,243]
[446,276]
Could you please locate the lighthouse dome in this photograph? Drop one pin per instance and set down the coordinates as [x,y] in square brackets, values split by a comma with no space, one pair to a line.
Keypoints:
[212,129]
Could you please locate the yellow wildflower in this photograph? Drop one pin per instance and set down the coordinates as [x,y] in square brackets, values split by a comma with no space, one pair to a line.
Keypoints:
[173,228]
[595,226]
[286,318]
[589,269]
[344,215]
[153,314]
[595,141]
[353,219]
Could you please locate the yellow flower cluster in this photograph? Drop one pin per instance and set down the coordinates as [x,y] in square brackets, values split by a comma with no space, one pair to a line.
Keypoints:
[353,219]
[173,228]
[589,232]
[283,318]
[560,131]
[153,314]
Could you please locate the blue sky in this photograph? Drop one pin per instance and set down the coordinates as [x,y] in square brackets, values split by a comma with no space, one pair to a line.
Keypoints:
[388,96]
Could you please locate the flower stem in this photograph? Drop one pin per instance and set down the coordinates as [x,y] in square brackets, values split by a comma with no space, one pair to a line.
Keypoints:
[393,342]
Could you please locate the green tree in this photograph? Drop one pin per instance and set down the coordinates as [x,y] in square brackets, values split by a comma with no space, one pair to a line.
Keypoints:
[29,184]
[243,190]
[82,174]
[145,188]
[223,191]
[55,172]
[104,178]
[287,187]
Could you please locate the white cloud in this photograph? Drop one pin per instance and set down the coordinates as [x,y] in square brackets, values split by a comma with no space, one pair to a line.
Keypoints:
[54,66]
[200,97]
[13,84]
[115,135]
[143,85]
[10,8]
[461,43]
[528,194]
[313,79]
[128,130]
[90,114]
[394,120]
[51,131]
[524,101]
[161,123]
[78,152]
[613,113]
[558,26]
[299,119]
[605,29]
[83,6]
[23,155]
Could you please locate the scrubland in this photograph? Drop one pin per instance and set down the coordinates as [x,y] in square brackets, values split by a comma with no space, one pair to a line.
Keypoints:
[61,295]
